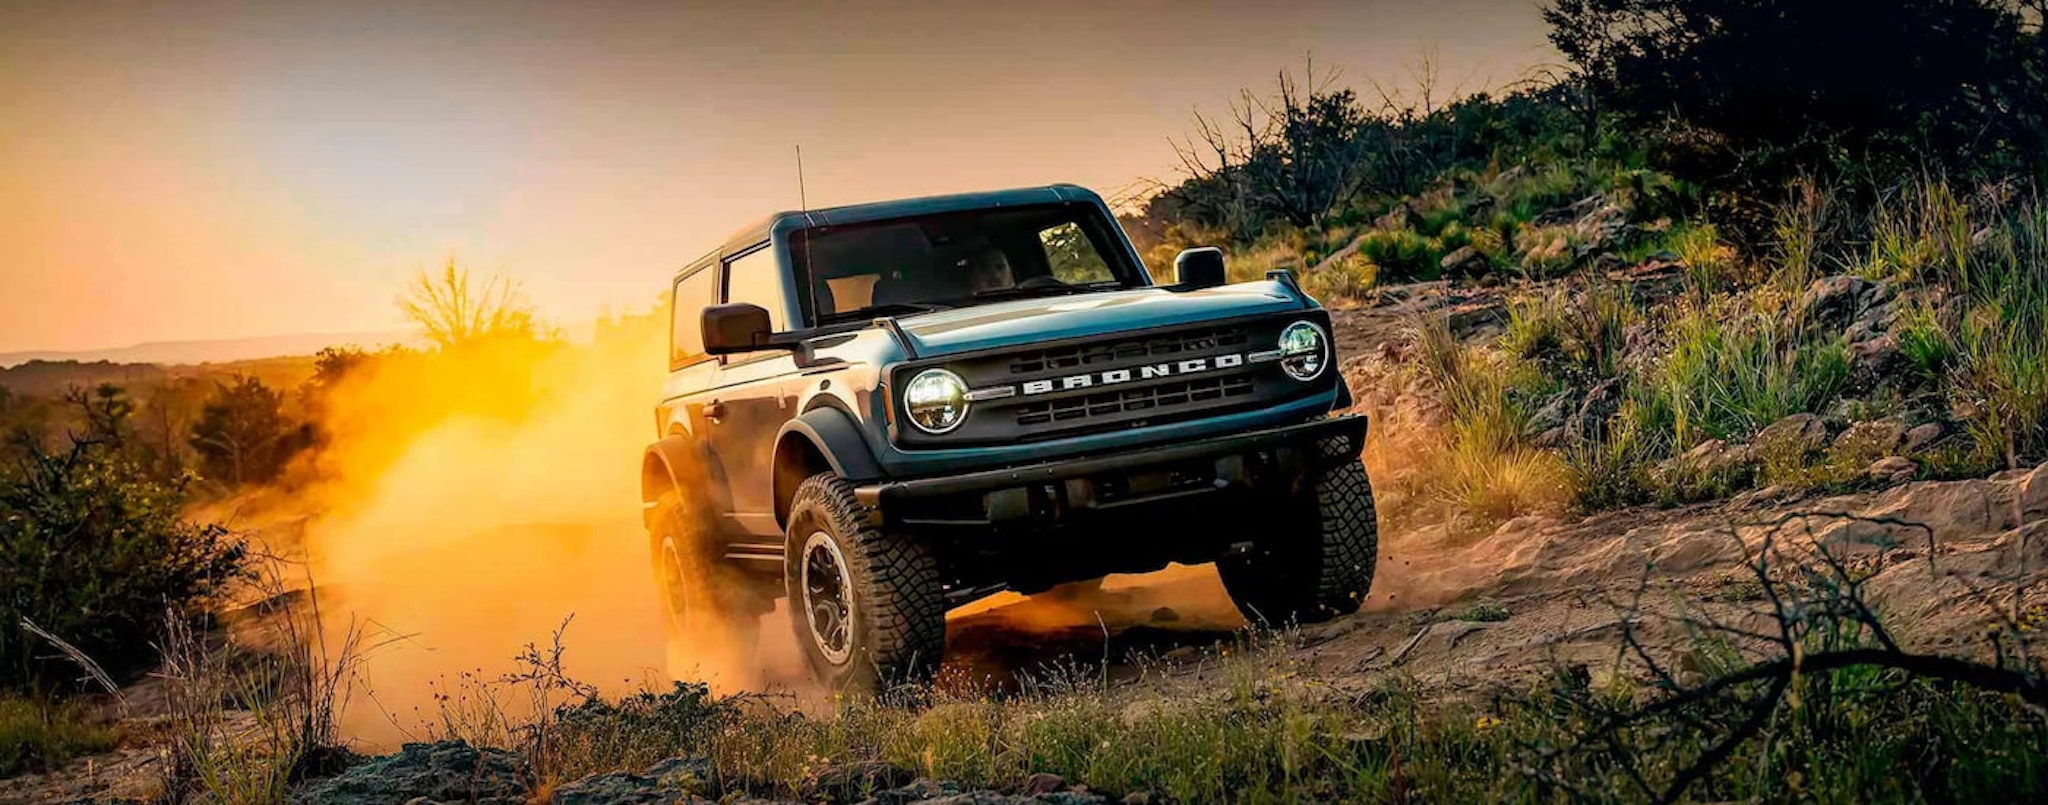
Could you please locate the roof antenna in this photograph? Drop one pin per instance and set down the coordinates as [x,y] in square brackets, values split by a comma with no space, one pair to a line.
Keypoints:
[802,201]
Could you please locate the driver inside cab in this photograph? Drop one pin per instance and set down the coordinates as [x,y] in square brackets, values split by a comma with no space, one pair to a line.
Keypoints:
[987,271]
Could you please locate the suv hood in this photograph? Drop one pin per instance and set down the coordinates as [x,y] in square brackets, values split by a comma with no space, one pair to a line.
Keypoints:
[1050,318]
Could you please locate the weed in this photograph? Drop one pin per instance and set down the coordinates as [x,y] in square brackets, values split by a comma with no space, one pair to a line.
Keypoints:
[1486,612]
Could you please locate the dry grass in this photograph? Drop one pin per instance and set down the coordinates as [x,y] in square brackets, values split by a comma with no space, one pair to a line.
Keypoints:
[244,723]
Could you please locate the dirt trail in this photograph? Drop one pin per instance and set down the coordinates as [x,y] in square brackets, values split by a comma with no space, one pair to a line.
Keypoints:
[1554,590]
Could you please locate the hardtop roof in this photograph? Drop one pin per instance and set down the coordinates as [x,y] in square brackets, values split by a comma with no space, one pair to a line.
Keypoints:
[902,208]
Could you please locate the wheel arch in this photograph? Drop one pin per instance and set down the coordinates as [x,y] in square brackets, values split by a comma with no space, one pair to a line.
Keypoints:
[824,439]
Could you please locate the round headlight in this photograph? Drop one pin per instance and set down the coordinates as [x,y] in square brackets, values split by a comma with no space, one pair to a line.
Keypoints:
[1304,351]
[935,400]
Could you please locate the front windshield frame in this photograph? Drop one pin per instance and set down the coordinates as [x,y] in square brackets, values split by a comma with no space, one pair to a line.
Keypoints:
[950,234]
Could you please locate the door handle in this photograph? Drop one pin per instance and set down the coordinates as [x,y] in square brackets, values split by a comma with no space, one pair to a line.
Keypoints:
[714,411]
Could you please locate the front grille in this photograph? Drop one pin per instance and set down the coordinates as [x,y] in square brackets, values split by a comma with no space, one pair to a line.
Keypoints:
[1119,352]
[1113,403]
[1133,379]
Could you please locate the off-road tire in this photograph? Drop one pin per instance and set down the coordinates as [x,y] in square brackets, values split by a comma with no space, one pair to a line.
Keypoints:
[897,628]
[1319,563]
[711,614]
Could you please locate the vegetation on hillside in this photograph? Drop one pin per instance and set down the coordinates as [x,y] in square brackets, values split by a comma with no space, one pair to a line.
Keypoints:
[1726,262]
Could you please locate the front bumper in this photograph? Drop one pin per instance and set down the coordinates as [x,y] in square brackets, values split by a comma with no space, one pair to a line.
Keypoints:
[1053,492]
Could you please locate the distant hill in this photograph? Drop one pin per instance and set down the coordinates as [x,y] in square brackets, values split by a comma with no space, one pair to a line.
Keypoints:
[221,350]
[51,378]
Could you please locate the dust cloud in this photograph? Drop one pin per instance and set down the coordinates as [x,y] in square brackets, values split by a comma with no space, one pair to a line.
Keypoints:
[470,501]
[465,503]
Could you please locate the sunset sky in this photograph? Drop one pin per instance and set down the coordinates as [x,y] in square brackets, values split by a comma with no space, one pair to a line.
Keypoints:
[198,170]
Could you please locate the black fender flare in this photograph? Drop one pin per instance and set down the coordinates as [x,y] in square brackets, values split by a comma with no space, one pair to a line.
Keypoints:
[675,462]
[824,433]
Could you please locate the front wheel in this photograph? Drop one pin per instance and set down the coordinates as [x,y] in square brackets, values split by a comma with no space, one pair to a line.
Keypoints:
[867,607]
[1320,564]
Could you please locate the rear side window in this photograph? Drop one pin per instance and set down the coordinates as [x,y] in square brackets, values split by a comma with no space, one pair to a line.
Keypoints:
[693,293]
[756,278]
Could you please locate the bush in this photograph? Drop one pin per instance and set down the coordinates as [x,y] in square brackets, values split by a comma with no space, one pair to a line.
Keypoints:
[1401,254]
[1349,279]
[96,551]
[38,736]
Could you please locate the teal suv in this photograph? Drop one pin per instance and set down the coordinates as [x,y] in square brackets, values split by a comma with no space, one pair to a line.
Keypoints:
[883,411]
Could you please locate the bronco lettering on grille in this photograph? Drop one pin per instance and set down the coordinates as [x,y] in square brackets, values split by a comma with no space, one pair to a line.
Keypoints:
[1114,376]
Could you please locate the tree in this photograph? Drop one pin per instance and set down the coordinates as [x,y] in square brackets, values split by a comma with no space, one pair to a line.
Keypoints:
[1294,156]
[1746,94]
[243,435]
[456,312]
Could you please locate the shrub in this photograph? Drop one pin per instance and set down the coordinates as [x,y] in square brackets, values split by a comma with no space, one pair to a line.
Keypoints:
[1401,254]
[96,551]
[1920,228]
[38,735]
[1576,336]
[1612,469]
[1350,278]
[1924,343]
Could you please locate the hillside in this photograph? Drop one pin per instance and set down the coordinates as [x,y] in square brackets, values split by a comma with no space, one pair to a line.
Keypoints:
[216,351]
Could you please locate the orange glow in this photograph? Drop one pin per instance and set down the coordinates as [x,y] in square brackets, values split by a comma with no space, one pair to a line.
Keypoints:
[230,168]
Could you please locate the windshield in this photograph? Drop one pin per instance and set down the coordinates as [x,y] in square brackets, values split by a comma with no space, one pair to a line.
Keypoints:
[900,266]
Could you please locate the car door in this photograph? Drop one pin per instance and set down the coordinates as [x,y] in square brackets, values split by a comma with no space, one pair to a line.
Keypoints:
[755,393]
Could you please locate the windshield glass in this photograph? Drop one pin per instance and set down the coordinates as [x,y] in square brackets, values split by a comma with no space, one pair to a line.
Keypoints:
[900,266]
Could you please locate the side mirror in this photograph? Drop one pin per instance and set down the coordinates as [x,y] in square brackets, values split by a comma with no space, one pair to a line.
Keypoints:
[736,327]
[1200,268]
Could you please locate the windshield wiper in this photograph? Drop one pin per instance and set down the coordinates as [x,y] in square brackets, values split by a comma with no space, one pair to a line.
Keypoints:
[890,309]
[1018,292]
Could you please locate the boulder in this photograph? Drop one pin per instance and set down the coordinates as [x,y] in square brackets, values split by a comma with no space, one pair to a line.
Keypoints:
[1838,302]
[1892,470]
[446,771]
[1043,783]
[1599,405]
[1920,437]
[676,780]
[1466,261]
[2031,494]
[1877,437]
[1569,213]
[1601,228]
[1554,413]
[1875,360]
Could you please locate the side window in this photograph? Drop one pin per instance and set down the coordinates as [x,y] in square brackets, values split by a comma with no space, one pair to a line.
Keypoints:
[686,316]
[1072,256]
[756,278]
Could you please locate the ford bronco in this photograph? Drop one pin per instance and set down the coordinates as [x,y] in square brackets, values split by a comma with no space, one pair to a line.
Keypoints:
[886,410]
